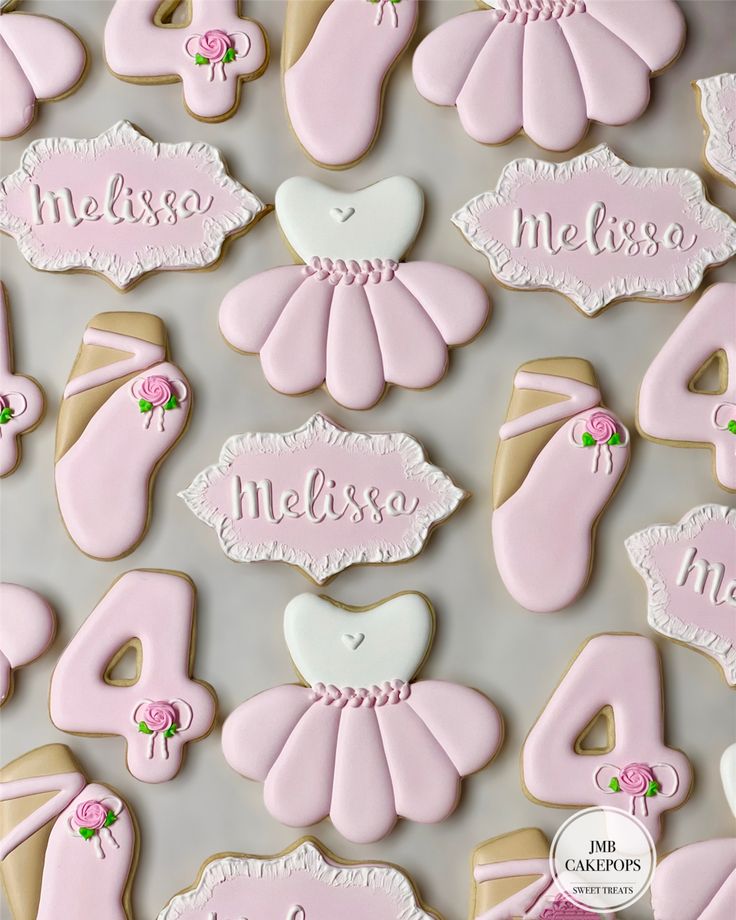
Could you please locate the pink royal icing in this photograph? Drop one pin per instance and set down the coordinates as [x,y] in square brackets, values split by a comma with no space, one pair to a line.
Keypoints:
[690,573]
[696,882]
[322,498]
[557,64]
[27,627]
[211,55]
[121,205]
[718,110]
[40,59]
[598,230]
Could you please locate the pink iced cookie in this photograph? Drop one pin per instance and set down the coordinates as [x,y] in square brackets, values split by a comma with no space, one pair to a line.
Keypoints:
[41,60]
[122,206]
[303,883]
[117,422]
[598,230]
[21,398]
[75,849]
[360,722]
[672,408]
[322,498]
[690,572]
[560,459]
[340,61]
[617,677]
[554,65]
[717,107]
[162,709]
[212,55]
[696,882]
[27,627]
[353,317]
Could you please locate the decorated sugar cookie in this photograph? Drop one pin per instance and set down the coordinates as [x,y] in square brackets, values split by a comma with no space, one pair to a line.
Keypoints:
[360,721]
[21,398]
[557,64]
[213,54]
[27,627]
[322,498]
[337,57]
[728,776]
[616,677]
[598,230]
[696,882]
[717,106]
[124,408]
[41,60]
[560,458]
[673,407]
[121,206]
[690,573]
[353,316]
[161,709]
[512,878]
[302,883]
[67,854]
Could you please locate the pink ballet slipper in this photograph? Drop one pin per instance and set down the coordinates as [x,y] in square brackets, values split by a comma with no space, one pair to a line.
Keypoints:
[41,59]
[555,65]
[557,467]
[117,423]
[343,68]
[27,628]
[351,321]
[212,55]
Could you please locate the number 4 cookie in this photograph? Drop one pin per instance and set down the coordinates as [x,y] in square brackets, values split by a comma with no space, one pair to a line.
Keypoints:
[617,677]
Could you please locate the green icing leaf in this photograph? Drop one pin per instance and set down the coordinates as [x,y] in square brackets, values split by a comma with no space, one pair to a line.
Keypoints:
[588,439]
[111,818]
[200,59]
[731,425]
[653,789]
[615,438]
[144,729]
[145,405]
[6,415]
[229,56]
[615,785]
[172,403]
[87,832]
[170,732]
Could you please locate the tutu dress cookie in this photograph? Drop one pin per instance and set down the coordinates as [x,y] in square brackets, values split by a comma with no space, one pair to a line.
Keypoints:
[360,739]
[554,65]
[27,628]
[560,459]
[696,882]
[353,316]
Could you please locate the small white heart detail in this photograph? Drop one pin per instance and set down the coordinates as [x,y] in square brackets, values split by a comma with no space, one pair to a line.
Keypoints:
[353,640]
[342,214]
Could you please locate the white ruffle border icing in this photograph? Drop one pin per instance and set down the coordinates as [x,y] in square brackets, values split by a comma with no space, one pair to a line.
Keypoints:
[640,545]
[590,299]
[122,272]
[308,858]
[320,429]
[720,152]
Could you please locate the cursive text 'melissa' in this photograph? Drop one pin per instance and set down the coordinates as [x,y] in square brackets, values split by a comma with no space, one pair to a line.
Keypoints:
[702,570]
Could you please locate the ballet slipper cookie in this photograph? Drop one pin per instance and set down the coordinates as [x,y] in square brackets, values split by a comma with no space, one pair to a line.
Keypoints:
[124,409]
[337,57]
[304,882]
[560,63]
[690,573]
[322,498]
[674,407]
[360,740]
[162,708]
[121,206]
[717,107]
[512,878]
[728,776]
[353,317]
[21,398]
[616,678]
[560,459]
[27,628]
[597,229]
[41,60]
[67,844]
[212,55]
[696,882]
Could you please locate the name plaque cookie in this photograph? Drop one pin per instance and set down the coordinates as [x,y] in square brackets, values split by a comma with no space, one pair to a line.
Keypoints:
[121,205]
[322,498]
[598,230]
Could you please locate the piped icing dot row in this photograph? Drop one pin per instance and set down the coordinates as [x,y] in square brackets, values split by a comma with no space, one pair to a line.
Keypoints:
[351,271]
[389,692]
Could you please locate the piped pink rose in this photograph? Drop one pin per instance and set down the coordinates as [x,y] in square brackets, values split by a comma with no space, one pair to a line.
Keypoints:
[157,717]
[214,45]
[93,819]
[637,779]
[600,428]
[157,392]
[91,815]
[162,719]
